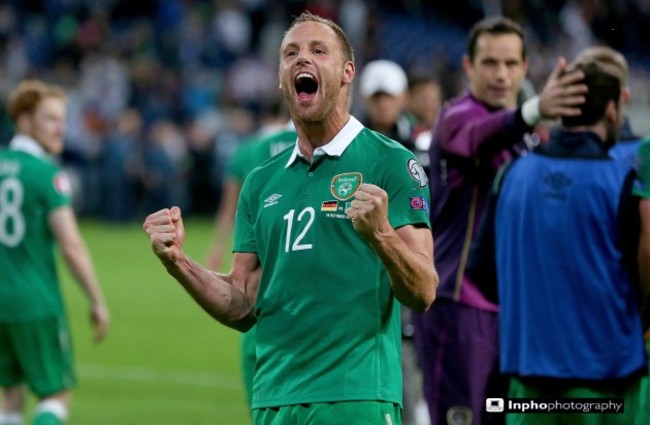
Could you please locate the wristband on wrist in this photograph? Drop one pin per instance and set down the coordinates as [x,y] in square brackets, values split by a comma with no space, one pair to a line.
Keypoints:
[530,111]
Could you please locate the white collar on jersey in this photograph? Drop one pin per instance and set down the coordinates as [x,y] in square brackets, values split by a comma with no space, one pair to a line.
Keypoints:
[21,142]
[336,146]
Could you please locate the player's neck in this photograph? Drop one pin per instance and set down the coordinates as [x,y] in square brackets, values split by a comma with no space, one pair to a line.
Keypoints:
[312,135]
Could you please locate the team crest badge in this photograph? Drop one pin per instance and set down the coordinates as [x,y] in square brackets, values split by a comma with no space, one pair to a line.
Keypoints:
[345,185]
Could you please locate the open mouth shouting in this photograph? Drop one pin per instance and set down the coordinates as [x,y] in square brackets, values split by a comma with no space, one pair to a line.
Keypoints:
[306,86]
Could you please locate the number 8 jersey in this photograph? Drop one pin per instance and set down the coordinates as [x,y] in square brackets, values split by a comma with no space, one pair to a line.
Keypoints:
[31,186]
[328,325]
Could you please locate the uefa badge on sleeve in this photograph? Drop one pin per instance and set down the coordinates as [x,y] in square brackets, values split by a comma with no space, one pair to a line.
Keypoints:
[62,184]
[419,203]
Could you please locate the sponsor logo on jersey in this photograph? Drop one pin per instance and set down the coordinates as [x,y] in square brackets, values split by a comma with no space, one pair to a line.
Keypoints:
[557,181]
[556,185]
[344,185]
[272,200]
[62,184]
[419,203]
[329,205]
[417,173]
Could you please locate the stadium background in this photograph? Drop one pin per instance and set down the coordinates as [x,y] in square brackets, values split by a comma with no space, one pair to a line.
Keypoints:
[161,94]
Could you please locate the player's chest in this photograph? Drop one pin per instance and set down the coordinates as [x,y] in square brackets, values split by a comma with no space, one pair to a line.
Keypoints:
[306,198]
[328,192]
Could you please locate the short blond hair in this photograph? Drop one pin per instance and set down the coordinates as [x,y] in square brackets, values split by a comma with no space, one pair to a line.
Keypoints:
[346,45]
[25,98]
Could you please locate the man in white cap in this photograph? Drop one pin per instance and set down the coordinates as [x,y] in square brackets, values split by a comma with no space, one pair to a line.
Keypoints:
[383,87]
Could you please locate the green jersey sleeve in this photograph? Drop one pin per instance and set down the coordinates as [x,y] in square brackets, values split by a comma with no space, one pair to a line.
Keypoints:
[407,186]
[57,190]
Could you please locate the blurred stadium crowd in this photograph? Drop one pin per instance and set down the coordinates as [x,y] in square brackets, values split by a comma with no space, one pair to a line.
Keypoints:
[163,91]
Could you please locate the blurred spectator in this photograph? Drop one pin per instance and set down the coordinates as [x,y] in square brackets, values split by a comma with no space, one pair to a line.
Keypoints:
[165,167]
[121,166]
[239,123]
[576,17]
[328,9]
[424,102]
[353,18]
[174,59]
[202,188]
[383,87]
[105,83]
[252,83]
[231,30]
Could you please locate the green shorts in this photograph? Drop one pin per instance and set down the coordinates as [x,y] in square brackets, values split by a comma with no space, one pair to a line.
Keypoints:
[631,415]
[339,413]
[38,353]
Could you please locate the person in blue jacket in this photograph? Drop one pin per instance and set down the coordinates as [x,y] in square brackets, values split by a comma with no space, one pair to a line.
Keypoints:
[569,320]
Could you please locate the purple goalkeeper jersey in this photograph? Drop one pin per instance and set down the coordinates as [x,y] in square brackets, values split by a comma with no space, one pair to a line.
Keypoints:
[470,142]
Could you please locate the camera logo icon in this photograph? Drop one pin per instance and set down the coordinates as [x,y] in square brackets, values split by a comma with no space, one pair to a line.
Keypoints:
[494,405]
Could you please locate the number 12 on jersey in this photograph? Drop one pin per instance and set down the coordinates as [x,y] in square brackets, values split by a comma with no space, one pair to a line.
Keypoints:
[297,245]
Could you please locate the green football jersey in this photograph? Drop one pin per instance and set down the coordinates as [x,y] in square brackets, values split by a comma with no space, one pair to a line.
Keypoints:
[31,186]
[328,325]
[254,152]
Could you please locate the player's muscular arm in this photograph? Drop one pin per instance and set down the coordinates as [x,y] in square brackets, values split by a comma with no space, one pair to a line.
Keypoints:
[228,298]
[407,253]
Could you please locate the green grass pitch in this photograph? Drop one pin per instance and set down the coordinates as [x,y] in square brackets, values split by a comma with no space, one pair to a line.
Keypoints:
[165,361]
